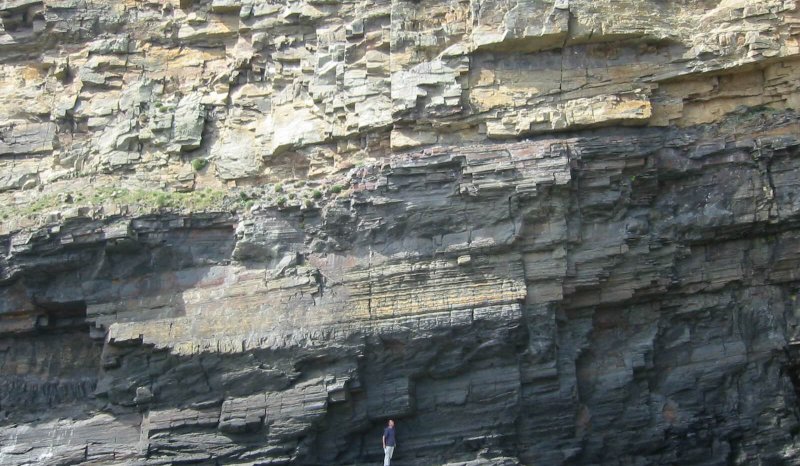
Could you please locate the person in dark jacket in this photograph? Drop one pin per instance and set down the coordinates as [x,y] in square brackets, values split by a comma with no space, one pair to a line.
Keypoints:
[389,441]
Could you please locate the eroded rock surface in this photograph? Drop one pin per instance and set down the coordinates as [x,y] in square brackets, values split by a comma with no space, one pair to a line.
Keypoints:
[532,232]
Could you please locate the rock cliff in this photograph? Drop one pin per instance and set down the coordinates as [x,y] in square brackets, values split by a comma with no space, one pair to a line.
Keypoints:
[533,232]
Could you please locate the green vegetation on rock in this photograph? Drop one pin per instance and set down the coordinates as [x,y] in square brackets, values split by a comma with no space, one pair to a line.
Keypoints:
[138,199]
[199,164]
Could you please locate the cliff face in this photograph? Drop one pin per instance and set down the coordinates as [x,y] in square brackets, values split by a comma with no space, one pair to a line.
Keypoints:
[533,232]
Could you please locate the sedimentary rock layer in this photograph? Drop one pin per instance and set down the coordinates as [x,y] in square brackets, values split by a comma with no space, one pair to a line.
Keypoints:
[531,232]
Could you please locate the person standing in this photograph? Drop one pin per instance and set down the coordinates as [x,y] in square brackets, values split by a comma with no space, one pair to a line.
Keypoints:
[389,441]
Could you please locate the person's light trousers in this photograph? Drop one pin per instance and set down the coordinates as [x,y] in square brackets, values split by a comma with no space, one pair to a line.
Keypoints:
[387,455]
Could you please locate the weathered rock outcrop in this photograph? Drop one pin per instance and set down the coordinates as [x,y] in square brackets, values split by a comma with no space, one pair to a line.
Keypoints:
[531,231]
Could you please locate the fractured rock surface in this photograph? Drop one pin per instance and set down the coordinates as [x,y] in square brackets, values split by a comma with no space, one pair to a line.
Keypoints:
[531,232]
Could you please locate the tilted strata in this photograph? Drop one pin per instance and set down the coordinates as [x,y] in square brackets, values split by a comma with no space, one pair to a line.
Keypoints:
[533,232]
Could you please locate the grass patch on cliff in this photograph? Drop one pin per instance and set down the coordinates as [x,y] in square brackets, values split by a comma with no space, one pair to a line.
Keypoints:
[138,199]
[199,164]
[203,199]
